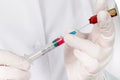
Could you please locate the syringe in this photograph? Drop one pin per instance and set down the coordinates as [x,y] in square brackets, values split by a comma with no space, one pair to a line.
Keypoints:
[60,40]
[55,43]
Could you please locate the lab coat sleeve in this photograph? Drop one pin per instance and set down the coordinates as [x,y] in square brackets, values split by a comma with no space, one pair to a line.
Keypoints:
[109,76]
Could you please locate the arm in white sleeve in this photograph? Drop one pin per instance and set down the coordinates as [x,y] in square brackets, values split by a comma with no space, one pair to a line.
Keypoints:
[109,76]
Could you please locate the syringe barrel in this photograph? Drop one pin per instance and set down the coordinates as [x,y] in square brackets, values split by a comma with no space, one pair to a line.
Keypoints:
[55,43]
[42,51]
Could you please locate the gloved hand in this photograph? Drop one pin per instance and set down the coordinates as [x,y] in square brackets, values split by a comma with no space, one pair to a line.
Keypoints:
[87,54]
[13,67]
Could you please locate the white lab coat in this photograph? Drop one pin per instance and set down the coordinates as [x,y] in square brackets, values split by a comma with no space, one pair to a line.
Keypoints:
[28,25]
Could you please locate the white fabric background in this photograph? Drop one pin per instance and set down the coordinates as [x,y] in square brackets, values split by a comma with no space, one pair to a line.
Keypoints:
[27,25]
[118,4]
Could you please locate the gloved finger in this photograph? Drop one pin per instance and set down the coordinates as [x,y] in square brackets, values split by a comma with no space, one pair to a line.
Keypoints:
[101,5]
[11,73]
[105,23]
[10,59]
[83,45]
[87,46]
[76,32]
[91,64]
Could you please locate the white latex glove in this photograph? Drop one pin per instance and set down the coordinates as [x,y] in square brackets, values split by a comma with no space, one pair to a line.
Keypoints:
[13,67]
[87,54]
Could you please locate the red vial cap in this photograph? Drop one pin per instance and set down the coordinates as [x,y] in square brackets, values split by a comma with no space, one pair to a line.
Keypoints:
[93,19]
[60,41]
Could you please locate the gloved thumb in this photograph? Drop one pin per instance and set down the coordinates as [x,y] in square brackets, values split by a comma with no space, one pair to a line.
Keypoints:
[103,32]
[101,5]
